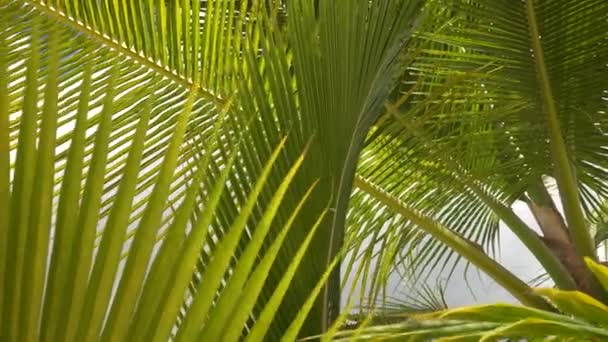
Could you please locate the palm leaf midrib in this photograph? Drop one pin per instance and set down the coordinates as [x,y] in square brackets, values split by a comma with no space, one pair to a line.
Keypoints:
[122,49]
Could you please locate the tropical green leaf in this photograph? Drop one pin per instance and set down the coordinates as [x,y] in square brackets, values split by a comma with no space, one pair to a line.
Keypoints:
[120,143]
[539,328]
[5,170]
[577,304]
[579,318]
[600,272]
[474,105]
[227,169]
[499,313]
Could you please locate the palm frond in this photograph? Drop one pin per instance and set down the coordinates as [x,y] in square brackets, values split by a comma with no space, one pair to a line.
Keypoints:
[193,42]
[472,101]
[158,135]
[580,318]
[316,84]
[116,174]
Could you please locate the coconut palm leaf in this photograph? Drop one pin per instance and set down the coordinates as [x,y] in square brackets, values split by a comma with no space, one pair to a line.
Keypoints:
[308,86]
[193,42]
[580,318]
[84,97]
[500,95]
[147,173]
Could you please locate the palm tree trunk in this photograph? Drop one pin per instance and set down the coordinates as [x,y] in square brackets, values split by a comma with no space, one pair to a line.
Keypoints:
[557,238]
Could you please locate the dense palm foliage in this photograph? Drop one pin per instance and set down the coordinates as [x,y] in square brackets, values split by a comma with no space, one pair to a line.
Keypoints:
[500,98]
[580,318]
[147,144]
[202,170]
